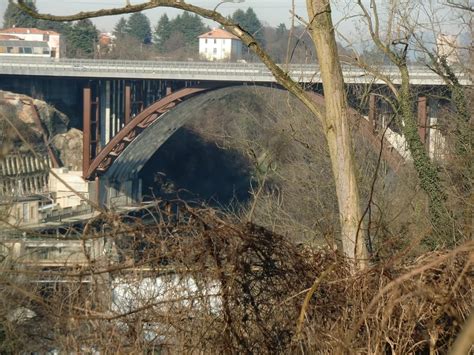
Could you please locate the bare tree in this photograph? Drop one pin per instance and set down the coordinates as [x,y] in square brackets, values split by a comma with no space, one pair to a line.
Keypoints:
[393,37]
[334,119]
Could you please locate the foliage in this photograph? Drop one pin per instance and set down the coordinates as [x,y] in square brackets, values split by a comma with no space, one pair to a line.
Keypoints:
[138,26]
[14,17]
[81,39]
[182,31]
[197,281]
[162,32]
[250,22]
[120,28]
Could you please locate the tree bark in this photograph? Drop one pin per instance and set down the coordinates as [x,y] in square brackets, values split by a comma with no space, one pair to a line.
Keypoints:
[336,126]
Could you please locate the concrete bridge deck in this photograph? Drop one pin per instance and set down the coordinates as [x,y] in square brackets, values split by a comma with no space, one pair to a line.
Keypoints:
[200,71]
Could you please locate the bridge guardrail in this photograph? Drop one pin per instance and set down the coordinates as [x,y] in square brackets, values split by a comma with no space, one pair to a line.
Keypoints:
[192,70]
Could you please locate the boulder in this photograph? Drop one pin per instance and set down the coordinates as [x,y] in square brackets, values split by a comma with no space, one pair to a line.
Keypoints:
[22,110]
[69,148]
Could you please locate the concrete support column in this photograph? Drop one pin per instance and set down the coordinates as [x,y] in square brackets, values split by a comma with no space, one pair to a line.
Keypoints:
[105,123]
[113,95]
[127,103]
[86,137]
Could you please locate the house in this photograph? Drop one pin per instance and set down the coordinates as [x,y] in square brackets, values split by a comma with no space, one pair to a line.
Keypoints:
[218,44]
[21,211]
[67,187]
[448,48]
[53,40]
[19,47]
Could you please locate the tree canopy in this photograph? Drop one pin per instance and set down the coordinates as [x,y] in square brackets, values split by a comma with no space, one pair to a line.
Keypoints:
[138,26]
[81,39]
[162,31]
[14,17]
[250,22]
[185,27]
[120,28]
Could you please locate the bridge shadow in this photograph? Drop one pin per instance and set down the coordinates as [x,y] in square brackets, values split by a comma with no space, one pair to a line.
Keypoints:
[190,167]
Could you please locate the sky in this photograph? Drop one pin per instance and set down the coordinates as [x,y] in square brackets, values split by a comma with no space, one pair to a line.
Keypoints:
[270,12]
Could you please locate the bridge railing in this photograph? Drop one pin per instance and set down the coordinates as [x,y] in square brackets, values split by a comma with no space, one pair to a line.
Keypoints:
[199,70]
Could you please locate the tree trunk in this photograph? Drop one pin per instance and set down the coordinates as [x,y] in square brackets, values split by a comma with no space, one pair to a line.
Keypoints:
[427,172]
[336,126]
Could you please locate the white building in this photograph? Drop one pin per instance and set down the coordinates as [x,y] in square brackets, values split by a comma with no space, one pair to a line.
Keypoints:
[67,196]
[448,47]
[219,44]
[53,39]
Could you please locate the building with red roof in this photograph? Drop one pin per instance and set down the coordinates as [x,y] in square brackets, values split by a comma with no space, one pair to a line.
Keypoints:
[53,39]
[218,44]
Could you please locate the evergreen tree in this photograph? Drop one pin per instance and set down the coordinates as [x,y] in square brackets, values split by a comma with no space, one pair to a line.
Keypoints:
[249,21]
[138,26]
[60,27]
[14,17]
[81,39]
[281,30]
[191,26]
[121,28]
[163,31]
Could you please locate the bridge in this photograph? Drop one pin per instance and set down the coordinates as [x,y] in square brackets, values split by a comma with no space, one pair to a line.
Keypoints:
[202,71]
[127,106]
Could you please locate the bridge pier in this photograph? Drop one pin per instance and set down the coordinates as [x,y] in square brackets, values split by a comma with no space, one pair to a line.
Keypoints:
[115,194]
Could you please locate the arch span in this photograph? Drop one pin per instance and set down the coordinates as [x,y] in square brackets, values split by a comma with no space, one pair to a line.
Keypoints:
[126,154]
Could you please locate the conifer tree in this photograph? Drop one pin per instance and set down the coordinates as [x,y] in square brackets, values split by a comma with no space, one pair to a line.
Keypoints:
[14,17]
[162,32]
[120,28]
[138,26]
[81,39]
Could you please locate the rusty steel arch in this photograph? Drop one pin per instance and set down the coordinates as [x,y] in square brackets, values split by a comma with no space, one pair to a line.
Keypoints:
[144,119]
[130,131]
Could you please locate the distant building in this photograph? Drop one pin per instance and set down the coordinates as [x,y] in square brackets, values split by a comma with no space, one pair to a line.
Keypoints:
[448,47]
[21,211]
[37,40]
[106,43]
[219,44]
[61,183]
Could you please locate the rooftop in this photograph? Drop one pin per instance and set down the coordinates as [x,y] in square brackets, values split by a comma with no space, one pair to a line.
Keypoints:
[8,37]
[218,33]
[23,30]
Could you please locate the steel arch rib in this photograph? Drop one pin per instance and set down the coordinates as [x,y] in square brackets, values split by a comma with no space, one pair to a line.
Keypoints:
[128,133]
[150,114]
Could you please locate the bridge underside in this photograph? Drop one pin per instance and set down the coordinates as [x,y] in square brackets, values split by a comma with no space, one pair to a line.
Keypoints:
[120,183]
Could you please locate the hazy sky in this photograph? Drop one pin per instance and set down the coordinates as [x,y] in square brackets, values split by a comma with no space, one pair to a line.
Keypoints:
[272,12]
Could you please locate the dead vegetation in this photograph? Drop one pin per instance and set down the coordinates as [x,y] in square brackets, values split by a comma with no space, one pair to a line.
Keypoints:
[191,280]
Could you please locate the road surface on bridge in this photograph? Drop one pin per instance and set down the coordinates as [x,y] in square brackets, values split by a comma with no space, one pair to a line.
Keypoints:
[198,71]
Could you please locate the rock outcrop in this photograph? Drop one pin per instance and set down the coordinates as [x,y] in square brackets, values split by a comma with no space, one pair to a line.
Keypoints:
[23,108]
[51,129]
[69,148]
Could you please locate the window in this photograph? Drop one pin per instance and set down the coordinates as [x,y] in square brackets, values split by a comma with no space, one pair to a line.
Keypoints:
[26,215]
[46,37]
[205,41]
[28,50]
[215,41]
[215,50]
